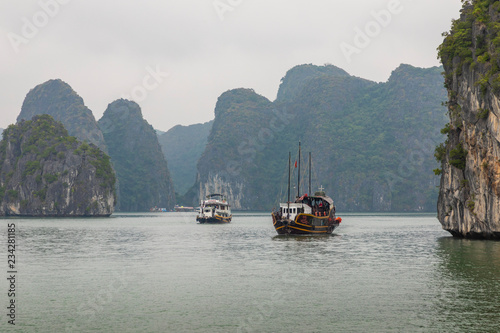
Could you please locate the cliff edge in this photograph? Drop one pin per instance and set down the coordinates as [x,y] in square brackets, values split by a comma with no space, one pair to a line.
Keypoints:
[469,194]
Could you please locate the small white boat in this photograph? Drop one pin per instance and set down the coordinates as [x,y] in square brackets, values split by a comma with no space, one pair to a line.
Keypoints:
[215,209]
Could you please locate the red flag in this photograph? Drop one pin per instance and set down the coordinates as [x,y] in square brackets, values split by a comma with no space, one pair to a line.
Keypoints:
[295,164]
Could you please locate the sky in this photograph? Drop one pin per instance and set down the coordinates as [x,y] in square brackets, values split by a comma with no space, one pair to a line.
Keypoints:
[176,57]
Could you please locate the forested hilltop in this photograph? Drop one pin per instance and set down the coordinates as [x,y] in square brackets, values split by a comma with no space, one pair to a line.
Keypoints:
[46,172]
[372,143]
[57,99]
[469,196]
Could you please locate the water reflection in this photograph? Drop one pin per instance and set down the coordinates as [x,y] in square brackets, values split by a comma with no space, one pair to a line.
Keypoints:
[469,289]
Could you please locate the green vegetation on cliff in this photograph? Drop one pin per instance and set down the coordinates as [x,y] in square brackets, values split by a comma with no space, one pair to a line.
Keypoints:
[474,39]
[472,44]
[44,171]
[143,176]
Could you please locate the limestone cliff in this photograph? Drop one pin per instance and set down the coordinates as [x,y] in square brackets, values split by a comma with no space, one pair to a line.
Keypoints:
[228,164]
[58,99]
[469,195]
[45,172]
[143,176]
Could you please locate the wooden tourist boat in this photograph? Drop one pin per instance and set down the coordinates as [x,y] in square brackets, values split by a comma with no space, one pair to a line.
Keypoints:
[306,215]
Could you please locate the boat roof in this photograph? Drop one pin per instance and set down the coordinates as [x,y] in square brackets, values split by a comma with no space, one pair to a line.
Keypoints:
[322,197]
[210,196]
[325,198]
[215,201]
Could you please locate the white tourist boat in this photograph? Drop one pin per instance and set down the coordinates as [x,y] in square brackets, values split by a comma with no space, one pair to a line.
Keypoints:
[214,209]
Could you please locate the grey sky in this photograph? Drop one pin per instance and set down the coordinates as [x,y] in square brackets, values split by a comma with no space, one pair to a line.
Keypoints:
[175,57]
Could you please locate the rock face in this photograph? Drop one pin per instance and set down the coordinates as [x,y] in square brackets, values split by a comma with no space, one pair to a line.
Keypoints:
[227,165]
[372,143]
[182,147]
[469,195]
[45,172]
[58,99]
[143,177]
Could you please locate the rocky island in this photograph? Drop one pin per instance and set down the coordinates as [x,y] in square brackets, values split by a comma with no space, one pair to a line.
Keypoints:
[46,172]
[143,177]
[469,195]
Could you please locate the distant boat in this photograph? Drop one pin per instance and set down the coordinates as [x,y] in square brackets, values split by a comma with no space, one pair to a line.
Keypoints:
[215,209]
[158,210]
[178,208]
[307,214]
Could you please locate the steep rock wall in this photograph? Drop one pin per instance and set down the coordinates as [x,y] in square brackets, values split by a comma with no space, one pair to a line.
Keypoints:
[469,195]
[233,191]
[143,176]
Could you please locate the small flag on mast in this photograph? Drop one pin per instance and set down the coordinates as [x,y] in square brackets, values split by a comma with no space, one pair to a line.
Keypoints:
[295,164]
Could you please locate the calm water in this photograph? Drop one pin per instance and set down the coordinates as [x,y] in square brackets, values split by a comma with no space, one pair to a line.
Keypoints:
[164,272]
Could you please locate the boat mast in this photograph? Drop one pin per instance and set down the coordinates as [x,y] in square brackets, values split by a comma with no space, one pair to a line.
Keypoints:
[298,180]
[309,173]
[289,161]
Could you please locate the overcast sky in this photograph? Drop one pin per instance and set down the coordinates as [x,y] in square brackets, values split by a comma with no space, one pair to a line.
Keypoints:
[176,57]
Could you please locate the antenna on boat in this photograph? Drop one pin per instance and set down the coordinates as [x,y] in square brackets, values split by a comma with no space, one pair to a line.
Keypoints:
[298,181]
[309,173]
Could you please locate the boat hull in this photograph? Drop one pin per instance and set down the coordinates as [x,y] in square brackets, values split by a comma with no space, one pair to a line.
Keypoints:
[305,224]
[214,220]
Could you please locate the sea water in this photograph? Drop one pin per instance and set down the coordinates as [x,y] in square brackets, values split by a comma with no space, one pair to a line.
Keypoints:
[163,272]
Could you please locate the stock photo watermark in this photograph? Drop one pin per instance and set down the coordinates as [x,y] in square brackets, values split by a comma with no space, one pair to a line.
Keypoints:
[11,273]
[48,9]
[151,81]
[94,305]
[263,311]
[408,166]
[248,148]
[222,7]
[247,152]
[363,37]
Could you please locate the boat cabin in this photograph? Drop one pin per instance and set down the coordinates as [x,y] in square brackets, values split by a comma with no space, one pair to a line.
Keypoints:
[293,209]
[314,205]
[215,207]
[320,204]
